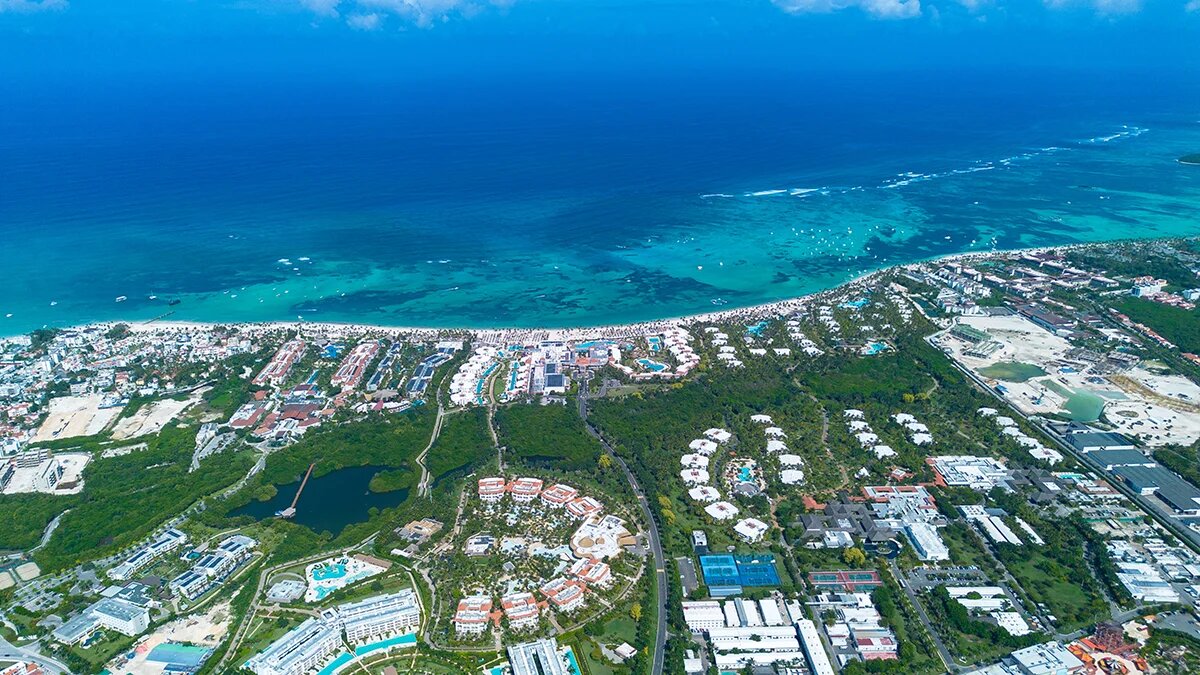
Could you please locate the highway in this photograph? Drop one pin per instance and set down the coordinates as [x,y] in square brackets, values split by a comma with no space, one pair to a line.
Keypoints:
[1168,520]
[660,570]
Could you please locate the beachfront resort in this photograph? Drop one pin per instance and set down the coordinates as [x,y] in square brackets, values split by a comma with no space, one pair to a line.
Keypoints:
[881,472]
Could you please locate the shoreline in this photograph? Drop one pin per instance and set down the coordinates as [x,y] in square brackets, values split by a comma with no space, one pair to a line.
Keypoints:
[774,309]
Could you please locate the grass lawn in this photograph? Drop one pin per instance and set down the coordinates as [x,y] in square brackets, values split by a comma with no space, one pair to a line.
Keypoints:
[102,650]
[1063,598]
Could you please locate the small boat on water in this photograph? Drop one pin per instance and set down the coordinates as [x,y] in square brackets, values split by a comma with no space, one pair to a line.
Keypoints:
[174,302]
[121,298]
[152,297]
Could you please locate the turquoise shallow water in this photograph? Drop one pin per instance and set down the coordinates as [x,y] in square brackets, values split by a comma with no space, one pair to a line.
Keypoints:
[656,201]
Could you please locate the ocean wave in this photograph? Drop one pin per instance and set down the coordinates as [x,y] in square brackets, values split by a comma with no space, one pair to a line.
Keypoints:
[910,177]
[716,195]
[1127,131]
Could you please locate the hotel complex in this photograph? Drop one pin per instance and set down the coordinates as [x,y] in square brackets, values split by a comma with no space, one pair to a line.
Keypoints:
[310,645]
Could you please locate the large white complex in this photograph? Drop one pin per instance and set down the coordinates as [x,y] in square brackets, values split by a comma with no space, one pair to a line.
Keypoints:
[979,473]
[161,545]
[814,651]
[124,617]
[377,617]
[310,644]
[537,658]
[301,650]
[212,568]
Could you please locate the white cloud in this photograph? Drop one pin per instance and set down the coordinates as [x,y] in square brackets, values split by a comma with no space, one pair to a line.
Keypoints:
[370,21]
[321,7]
[1193,6]
[370,14]
[423,12]
[1102,7]
[883,9]
[31,6]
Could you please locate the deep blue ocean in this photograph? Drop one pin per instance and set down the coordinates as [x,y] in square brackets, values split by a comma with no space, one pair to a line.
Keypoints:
[559,200]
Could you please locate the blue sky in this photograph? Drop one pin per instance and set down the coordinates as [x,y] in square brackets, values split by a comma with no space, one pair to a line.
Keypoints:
[87,38]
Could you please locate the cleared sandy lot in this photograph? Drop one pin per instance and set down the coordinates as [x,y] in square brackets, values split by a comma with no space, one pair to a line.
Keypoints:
[206,629]
[151,418]
[1155,409]
[72,416]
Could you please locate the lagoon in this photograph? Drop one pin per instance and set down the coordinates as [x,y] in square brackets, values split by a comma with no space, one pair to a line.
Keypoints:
[330,502]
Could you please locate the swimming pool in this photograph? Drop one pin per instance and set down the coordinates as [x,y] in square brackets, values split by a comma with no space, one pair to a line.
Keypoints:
[406,640]
[653,366]
[757,328]
[328,576]
[655,343]
[855,304]
[874,348]
[572,664]
[331,571]
[745,475]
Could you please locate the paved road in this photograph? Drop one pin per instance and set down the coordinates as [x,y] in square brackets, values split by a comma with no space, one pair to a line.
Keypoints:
[660,569]
[423,486]
[947,659]
[1160,514]
[11,652]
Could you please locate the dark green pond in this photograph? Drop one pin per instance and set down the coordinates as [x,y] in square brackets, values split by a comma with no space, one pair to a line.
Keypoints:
[331,502]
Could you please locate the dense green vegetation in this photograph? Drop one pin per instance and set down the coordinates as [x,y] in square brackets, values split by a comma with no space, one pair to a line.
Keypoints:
[1060,574]
[26,516]
[549,436]
[1134,260]
[125,498]
[1180,326]
[387,441]
[463,444]
[972,639]
[389,480]
[229,389]
[1172,653]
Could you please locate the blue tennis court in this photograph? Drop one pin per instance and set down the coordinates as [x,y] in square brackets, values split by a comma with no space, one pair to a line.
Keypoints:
[719,570]
[179,658]
[757,570]
[742,570]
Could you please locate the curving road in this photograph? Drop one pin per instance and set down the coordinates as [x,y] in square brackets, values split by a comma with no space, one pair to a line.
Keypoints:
[660,570]
[11,652]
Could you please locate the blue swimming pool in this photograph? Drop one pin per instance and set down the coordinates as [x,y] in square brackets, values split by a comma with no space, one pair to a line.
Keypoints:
[572,664]
[757,328]
[653,366]
[406,640]
[332,571]
[745,475]
[655,343]
[874,348]
[855,304]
